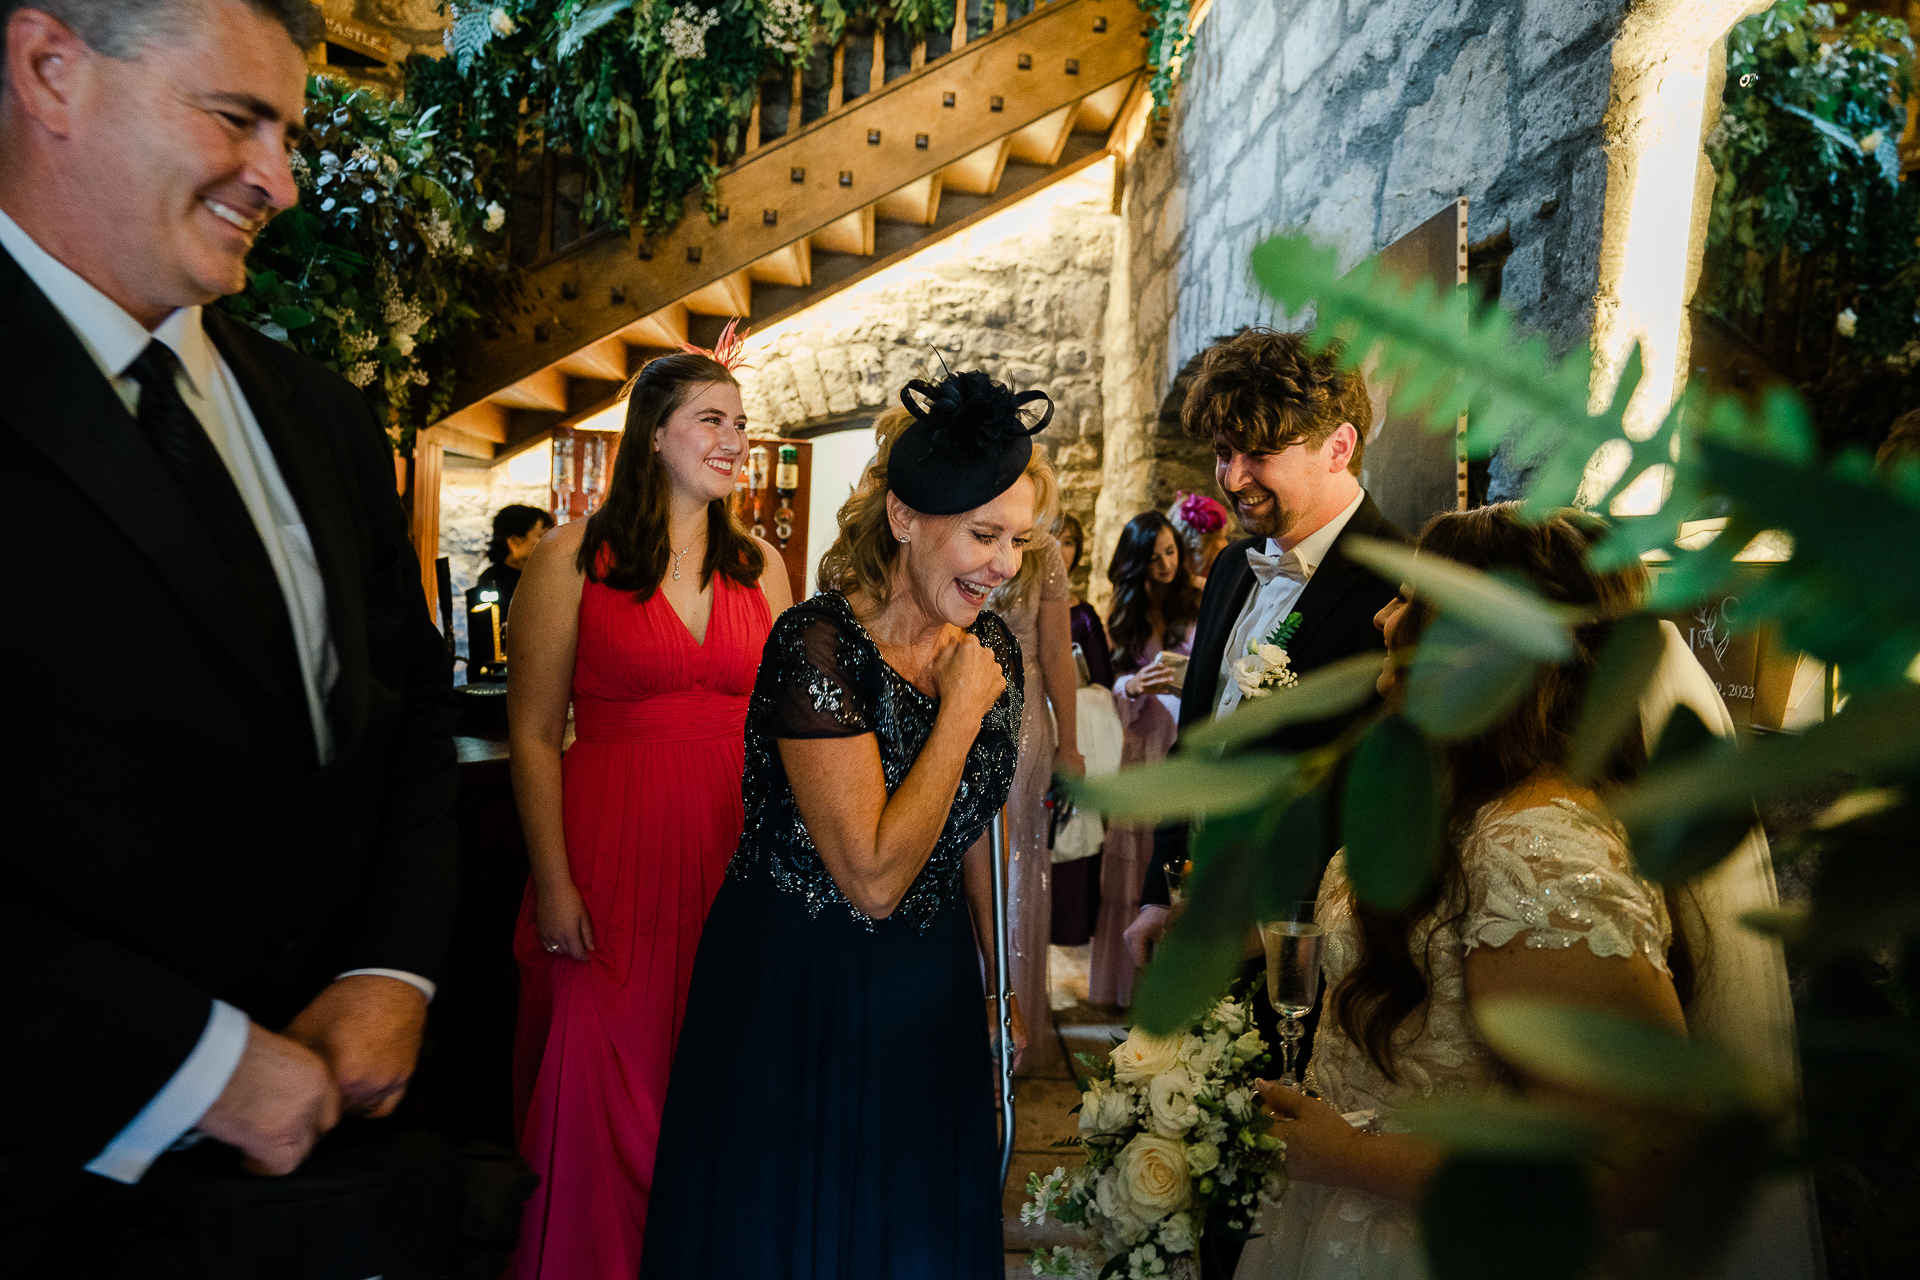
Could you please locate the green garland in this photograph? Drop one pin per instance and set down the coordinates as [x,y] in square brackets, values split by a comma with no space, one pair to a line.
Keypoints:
[1810,195]
[383,260]
[652,97]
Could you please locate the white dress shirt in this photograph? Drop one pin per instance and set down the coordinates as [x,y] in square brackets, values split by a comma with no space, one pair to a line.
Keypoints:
[1267,605]
[115,340]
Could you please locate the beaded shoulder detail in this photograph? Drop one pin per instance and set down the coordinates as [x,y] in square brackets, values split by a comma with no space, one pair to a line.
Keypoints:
[822,675]
[1557,874]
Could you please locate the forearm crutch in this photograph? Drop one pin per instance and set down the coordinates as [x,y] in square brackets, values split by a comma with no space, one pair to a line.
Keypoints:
[1002,987]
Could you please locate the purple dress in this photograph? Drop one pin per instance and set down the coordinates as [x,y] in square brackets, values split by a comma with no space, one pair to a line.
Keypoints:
[1151,722]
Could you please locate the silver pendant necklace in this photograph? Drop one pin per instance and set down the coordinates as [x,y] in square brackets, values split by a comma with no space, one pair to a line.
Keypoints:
[676,558]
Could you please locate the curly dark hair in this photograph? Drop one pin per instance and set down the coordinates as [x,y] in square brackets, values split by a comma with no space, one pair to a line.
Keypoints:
[1261,391]
[515,520]
[1129,618]
[631,525]
[1388,984]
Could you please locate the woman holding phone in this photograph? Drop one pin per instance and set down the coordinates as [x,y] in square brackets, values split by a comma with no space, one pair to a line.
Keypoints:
[1155,606]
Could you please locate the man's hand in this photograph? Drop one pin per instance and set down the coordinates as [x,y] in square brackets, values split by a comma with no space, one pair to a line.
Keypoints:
[367,1028]
[277,1103]
[1147,928]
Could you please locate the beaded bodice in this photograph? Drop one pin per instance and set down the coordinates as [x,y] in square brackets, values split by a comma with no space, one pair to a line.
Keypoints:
[822,676]
[1553,875]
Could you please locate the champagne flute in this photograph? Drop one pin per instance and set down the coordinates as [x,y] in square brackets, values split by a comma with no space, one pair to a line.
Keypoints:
[1293,981]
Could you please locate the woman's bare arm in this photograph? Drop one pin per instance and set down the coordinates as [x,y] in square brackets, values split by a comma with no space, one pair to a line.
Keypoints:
[1061,681]
[546,628]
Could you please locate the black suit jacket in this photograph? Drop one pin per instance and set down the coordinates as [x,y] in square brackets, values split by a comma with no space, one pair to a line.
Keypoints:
[1336,621]
[171,837]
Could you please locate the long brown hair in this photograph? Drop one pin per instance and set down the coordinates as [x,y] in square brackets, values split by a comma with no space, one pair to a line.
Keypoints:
[632,524]
[1129,619]
[1389,982]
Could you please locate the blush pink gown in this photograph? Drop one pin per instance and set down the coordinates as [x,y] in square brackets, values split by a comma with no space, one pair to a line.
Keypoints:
[651,795]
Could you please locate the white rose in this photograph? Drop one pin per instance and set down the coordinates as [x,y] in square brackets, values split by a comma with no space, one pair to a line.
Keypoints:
[1170,1104]
[1104,1109]
[1142,1057]
[1176,1234]
[1153,1173]
[1273,656]
[1202,1157]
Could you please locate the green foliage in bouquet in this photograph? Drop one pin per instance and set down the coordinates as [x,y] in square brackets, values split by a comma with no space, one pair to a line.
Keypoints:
[1811,242]
[382,260]
[1178,1149]
[1849,595]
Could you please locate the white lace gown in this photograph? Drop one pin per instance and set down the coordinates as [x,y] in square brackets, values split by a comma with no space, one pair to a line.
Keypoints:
[1556,876]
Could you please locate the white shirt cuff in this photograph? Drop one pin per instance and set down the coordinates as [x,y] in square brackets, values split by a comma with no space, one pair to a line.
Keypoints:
[194,1088]
[413,980]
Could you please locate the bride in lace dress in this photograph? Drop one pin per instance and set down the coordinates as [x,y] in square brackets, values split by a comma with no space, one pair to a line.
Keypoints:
[1536,896]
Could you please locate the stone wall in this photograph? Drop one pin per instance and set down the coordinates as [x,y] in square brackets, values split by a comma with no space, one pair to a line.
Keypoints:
[1355,121]
[1028,309]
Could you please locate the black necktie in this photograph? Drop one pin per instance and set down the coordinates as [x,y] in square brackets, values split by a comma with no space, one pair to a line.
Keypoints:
[182,443]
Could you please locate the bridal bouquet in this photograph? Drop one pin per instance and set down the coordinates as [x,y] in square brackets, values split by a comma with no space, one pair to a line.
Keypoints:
[1176,1145]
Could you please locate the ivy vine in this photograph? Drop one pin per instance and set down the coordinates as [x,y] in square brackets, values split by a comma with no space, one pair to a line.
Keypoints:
[1169,37]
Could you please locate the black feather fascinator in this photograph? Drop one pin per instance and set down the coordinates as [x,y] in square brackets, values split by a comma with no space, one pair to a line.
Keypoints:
[968,443]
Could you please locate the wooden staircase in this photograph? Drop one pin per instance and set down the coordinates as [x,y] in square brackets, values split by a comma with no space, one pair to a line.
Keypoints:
[964,127]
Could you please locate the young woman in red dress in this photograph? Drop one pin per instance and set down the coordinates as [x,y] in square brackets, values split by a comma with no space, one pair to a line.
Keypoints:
[648,618]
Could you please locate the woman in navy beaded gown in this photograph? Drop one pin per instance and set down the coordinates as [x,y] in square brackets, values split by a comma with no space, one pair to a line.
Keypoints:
[831,1114]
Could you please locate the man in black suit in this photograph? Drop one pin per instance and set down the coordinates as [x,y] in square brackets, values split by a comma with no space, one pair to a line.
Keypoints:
[1288,431]
[228,877]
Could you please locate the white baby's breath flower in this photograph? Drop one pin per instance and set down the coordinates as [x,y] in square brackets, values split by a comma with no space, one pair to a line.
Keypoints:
[361,374]
[686,32]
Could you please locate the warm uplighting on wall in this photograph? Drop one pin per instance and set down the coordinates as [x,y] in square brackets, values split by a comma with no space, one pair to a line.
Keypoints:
[1668,68]
[531,466]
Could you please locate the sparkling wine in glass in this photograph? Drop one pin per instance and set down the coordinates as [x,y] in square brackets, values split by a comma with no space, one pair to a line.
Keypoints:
[1293,981]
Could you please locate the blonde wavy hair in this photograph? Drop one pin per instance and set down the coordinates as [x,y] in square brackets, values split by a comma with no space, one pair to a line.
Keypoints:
[862,555]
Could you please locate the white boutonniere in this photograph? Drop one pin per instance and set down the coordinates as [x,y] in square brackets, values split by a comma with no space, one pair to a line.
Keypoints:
[1267,665]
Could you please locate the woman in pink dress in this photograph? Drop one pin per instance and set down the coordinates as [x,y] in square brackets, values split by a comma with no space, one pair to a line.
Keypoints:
[1155,606]
[648,618]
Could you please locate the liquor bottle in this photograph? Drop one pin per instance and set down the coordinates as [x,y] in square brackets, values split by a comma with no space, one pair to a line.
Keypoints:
[757,487]
[786,483]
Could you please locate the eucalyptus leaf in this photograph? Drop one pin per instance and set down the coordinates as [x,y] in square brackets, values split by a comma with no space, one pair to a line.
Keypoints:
[1462,681]
[1491,605]
[1391,811]
[1503,1125]
[1612,707]
[1678,848]
[1606,1053]
[1328,691]
[1488,1219]
[1183,785]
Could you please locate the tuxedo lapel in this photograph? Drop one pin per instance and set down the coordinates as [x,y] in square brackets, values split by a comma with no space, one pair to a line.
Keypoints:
[63,407]
[312,475]
[1335,577]
[1227,590]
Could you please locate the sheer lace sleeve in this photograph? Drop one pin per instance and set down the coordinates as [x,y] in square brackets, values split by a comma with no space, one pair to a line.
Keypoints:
[814,678]
[1053,577]
[1556,875]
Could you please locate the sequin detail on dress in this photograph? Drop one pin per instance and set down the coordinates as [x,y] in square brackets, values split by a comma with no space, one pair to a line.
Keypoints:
[822,676]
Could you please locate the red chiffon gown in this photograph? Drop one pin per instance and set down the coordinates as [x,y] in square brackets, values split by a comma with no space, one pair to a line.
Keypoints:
[651,793]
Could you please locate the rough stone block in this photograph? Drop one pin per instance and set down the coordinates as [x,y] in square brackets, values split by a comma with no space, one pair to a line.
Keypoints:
[1547,26]
[1557,107]
[1311,39]
[1456,141]
[836,379]
[808,383]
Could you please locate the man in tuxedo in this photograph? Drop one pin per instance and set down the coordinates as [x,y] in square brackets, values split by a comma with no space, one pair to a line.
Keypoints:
[1288,431]
[228,878]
